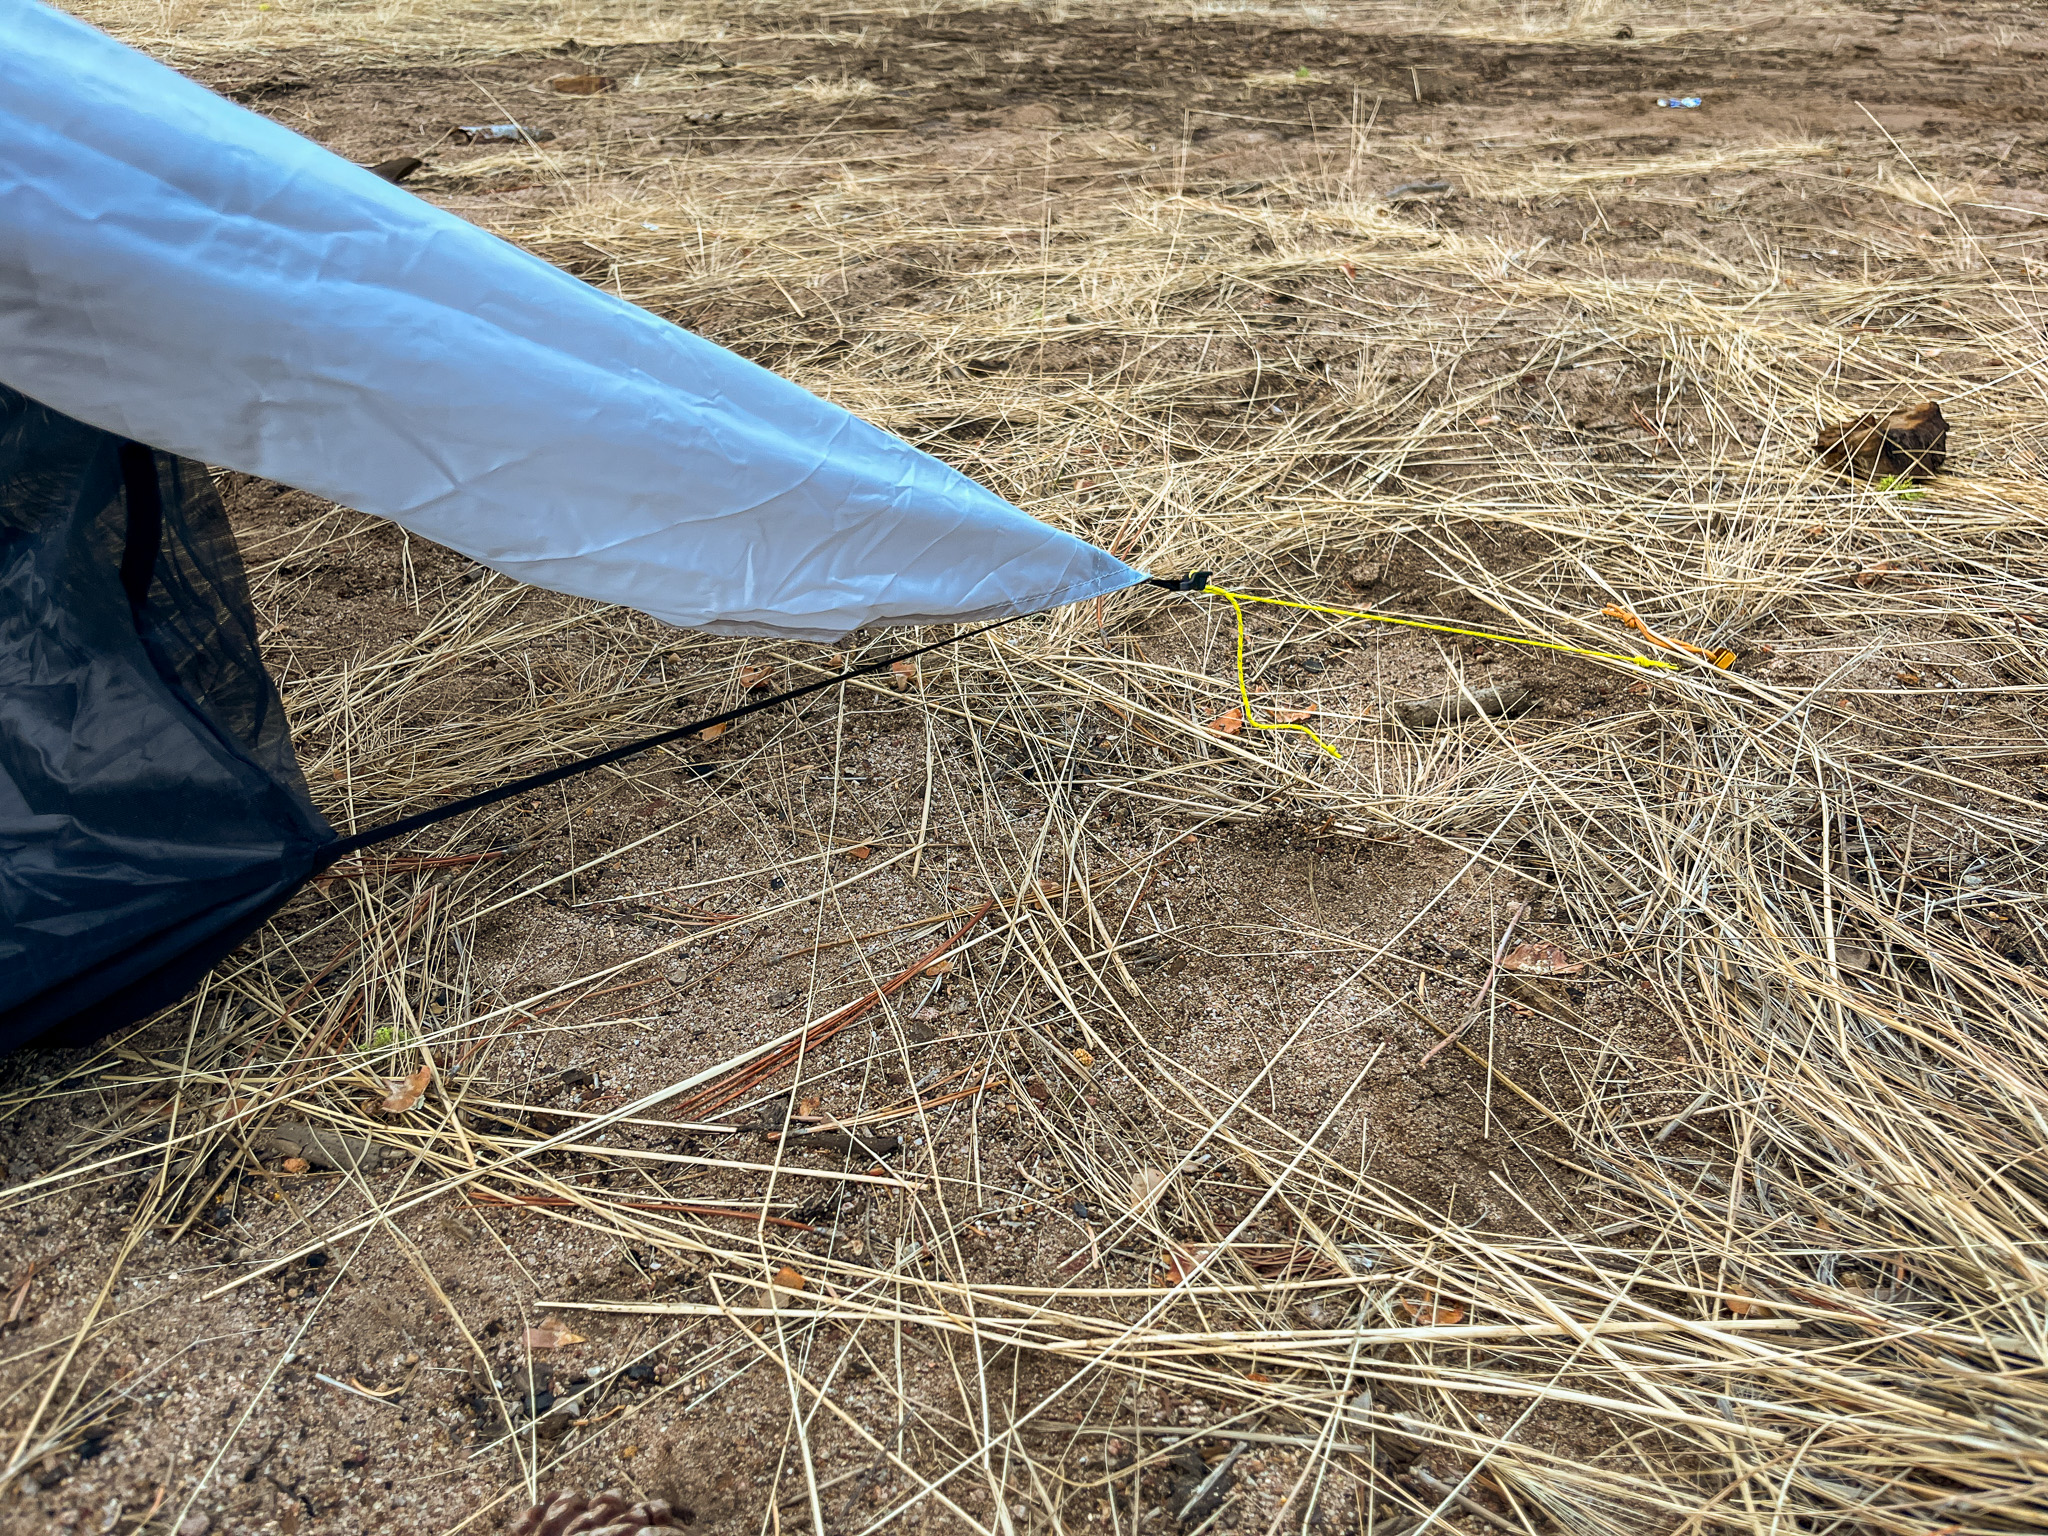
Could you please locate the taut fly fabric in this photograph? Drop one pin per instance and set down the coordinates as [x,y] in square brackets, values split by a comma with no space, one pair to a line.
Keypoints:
[180,271]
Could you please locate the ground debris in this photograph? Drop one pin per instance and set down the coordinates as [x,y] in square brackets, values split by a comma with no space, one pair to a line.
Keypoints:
[841,1143]
[1194,1489]
[324,1147]
[611,1513]
[1466,704]
[1909,444]
[1539,958]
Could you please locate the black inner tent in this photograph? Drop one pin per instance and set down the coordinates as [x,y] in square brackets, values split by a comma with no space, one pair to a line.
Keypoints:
[152,814]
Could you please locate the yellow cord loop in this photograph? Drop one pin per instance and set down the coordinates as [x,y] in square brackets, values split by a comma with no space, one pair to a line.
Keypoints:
[1237,600]
[1244,692]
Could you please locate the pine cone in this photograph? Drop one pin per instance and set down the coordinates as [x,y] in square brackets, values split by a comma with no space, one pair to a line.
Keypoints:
[606,1514]
[1909,445]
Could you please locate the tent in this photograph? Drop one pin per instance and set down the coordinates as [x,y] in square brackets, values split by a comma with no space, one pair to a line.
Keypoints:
[185,283]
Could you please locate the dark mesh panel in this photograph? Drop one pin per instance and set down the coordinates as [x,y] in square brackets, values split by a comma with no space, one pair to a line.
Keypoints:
[198,622]
[151,812]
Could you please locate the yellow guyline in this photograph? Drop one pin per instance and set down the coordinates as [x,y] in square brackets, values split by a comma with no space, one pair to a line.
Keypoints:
[1237,600]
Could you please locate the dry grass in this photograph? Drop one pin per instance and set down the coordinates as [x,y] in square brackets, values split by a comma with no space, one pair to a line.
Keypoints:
[428,28]
[1828,1309]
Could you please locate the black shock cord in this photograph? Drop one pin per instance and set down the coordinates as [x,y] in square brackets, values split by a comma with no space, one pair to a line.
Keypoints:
[355,844]
[413,823]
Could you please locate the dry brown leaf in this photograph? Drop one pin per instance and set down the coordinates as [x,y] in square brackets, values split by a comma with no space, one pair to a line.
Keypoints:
[296,1165]
[1146,1184]
[20,1297]
[902,675]
[1291,716]
[788,1279]
[858,853]
[1433,1312]
[939,968]
[807,1109]
[402,1093]
[1540,959]
[1228,725]
[756,677]
[550,1334]
[1180,1263]
[1740,1305]
[713,732]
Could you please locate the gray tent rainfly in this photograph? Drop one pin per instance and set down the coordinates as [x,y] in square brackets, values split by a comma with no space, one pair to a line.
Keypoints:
[182,280]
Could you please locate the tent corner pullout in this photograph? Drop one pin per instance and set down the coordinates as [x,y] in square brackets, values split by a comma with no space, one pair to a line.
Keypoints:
[181,273]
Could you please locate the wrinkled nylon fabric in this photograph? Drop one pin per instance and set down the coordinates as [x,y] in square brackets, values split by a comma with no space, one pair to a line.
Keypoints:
[183,272]
[151,811]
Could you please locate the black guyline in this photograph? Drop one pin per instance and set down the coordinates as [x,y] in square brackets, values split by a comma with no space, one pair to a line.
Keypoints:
[427,818]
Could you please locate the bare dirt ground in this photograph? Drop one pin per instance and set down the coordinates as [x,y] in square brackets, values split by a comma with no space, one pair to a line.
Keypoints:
[1325,302]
